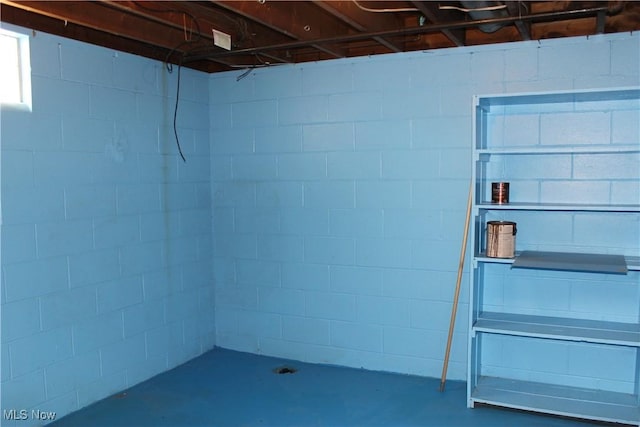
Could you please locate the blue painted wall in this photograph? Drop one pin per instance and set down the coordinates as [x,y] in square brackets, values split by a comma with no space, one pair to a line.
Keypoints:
[106,235]
[339,191]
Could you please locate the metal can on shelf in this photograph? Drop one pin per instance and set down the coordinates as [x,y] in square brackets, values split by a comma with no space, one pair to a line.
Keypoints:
[500,192]
[501,239]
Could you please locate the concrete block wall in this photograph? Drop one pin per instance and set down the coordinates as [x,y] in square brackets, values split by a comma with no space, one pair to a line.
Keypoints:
[106,234]
[339,191]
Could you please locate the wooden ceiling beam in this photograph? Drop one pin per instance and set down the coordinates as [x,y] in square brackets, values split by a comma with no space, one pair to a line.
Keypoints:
[198,20]
[50,25]
[173,34]
[208,18]
[571,15]
[298,20]
[127,31]
[362,21]
[166,15]
[106,19]
[517,8]
[271,32]
[432,12]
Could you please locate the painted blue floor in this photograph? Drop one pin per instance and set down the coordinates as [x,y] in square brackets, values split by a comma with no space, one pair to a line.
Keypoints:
[228,388]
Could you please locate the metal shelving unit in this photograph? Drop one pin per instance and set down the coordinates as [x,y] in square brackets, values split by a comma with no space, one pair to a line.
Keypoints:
[501,318]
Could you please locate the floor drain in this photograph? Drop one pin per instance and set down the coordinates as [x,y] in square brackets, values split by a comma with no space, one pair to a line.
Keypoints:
[285,370]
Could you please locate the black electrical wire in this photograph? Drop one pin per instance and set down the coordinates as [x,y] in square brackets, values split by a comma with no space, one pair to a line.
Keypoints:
[253,67]
[246,73]
[169,66]
[175,113]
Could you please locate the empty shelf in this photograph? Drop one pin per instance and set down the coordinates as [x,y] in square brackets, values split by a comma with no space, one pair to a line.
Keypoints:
[633,262]
[559,400]
[594,263]
[594,331]
[530,206]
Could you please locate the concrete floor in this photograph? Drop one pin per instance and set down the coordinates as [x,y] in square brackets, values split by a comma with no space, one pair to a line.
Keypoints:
[228,388]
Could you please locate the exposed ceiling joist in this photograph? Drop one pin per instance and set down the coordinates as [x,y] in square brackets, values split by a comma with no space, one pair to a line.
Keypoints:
[268,32]
[119,24]
[517,9]
[539,17]
[431,11]
[297,20]
[362,21]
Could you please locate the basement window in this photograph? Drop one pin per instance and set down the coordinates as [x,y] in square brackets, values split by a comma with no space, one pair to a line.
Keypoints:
[15,70]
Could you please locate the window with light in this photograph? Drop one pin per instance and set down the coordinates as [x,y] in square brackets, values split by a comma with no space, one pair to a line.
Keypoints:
[15,72]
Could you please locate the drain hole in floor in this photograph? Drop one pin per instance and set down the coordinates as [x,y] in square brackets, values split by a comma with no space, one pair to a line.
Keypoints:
[285,370]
